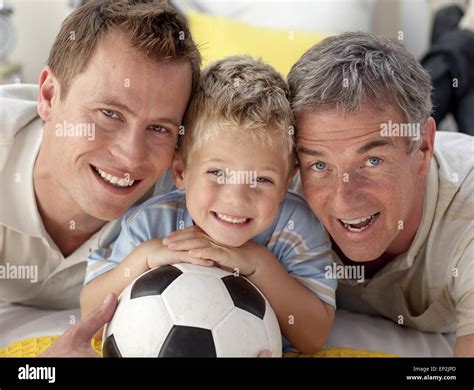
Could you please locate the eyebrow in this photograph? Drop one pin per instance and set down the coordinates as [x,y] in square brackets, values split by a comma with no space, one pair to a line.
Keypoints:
[123,107]
[375,144]
[219,160]
[311,152]
[363,149]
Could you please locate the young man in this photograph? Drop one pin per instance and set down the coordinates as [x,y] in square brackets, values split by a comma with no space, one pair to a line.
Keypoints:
[395,202]
[110,103]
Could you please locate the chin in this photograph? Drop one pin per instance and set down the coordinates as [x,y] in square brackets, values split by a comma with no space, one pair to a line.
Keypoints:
[107,213]
[231,242]
[361,254]
[359,257]
[227,241]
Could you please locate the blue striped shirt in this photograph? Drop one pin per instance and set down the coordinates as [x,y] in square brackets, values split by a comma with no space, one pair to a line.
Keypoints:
[296,238]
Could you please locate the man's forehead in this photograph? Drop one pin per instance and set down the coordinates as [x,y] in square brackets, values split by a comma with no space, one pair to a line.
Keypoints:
[358,146]
[333,126]
[118,85]
[351,133]
[115,59]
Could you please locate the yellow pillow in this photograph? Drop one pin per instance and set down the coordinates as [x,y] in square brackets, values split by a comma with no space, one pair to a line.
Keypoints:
[35,346]
[221,37]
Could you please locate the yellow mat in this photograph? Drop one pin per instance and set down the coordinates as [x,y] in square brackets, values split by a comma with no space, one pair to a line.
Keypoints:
[35,346]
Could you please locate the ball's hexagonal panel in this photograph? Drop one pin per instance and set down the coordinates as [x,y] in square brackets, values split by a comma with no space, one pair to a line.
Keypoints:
[201,269]
[187,341]
[245,295]
[273,331]
[110,348]
[154,282]
[144,318]
[240,334]
[197,299]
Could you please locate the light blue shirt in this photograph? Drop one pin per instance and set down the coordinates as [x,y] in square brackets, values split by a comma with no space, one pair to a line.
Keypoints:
[296,238]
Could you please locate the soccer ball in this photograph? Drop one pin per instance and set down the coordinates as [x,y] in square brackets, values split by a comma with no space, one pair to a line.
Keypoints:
[187,310]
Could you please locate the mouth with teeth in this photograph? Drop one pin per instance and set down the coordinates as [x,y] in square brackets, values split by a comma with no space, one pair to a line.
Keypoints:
[231,220]
[121,183]
[359,224]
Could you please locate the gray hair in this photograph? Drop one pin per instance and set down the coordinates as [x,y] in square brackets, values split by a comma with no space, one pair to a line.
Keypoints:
[345,71]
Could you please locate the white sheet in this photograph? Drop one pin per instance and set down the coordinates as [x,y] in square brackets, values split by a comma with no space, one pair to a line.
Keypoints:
[350,330]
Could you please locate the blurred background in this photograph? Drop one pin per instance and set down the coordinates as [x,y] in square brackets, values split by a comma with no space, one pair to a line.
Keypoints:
[36,22]
[278,31]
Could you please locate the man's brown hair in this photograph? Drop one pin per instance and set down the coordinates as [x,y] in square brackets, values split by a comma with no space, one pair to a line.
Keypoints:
[152,26]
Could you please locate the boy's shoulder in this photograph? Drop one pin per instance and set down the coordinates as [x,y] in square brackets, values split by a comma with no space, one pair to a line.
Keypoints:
[295,217]
[171,203]
[295,228]
[295,203]
[294,197]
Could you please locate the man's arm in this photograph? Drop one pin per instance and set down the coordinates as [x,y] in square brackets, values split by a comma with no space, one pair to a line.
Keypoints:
[464,346]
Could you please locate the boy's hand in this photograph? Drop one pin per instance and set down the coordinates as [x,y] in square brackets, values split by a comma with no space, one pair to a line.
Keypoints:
[157,255]
[198,244]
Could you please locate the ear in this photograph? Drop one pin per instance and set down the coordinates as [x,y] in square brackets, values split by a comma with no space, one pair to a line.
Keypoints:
[177,168]
[48,93]
[427,146]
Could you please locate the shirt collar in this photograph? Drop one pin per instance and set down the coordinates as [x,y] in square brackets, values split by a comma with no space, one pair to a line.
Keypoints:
[18,209]
[429,208]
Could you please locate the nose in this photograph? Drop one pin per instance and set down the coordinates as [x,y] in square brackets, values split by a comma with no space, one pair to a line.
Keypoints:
[131,147]
[236,194]
[346,194]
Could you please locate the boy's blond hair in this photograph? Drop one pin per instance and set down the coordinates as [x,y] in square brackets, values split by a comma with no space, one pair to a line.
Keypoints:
[243,95]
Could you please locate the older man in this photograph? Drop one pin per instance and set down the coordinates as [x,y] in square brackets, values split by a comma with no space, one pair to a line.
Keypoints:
[397,204]
[110,103]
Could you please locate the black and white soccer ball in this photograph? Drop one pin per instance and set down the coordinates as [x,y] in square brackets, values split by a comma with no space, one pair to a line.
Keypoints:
[187,310]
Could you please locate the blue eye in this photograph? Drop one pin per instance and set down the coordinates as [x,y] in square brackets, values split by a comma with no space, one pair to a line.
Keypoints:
[373,161]
[319,166]
[158,129]
[109,113]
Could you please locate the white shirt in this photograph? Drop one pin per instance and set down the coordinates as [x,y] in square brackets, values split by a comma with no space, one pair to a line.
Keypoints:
[431,286]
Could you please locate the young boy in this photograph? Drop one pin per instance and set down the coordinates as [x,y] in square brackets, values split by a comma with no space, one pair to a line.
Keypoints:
[235,162]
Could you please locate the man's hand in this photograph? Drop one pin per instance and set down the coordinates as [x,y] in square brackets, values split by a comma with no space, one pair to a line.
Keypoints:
[199,245]
[76,341]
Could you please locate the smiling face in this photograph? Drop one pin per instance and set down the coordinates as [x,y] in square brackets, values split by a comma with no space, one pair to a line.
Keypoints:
[234,187]
[365,188]
[135,106]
